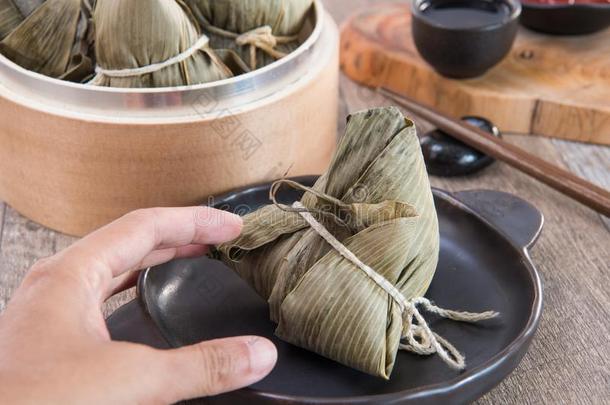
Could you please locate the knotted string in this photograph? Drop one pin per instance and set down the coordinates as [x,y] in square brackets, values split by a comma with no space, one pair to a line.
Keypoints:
[298,186]
[258,38]
[155,67]
[419,337]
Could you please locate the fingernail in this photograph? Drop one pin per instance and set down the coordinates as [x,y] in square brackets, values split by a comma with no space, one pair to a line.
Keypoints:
[263,355]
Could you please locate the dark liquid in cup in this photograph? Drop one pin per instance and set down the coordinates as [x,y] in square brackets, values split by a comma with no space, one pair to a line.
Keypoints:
[466,14]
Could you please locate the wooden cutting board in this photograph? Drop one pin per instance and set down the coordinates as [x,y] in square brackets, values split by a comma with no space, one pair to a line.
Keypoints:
[547,85]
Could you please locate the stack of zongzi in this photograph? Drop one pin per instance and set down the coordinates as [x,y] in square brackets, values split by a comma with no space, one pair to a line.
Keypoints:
[376,203]
[149,43]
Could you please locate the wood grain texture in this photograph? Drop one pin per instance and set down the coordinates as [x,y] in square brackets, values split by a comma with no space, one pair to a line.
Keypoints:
[588,161]
[552,86]
[569,361]
[552,175]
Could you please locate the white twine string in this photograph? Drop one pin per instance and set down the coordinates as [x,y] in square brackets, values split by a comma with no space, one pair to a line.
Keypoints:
[155,67]
[261,38]
[261,35]
[420,338]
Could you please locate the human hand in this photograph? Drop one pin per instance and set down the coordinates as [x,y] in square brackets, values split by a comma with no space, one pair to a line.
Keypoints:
[54,344]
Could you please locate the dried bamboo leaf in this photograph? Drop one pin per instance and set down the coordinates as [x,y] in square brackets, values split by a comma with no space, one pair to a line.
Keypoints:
[10,17]
[285,18]
[233,61]
[13,12]
[136,33]
[26,7]
[52,38]
[377,187]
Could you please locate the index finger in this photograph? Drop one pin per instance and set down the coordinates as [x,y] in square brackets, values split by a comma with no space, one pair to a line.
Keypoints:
[122,244]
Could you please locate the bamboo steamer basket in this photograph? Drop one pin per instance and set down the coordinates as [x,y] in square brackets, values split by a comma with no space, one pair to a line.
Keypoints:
[74,157]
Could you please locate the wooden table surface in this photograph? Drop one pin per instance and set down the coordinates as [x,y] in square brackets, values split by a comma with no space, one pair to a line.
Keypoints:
[569,360]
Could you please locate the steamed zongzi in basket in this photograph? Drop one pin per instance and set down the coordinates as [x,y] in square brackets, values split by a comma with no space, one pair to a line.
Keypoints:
[352,301]
[136,41]
[150,43]
[54,40]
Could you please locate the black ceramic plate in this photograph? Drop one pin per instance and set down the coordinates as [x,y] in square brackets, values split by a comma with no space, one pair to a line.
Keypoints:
[565,19]
[483,265]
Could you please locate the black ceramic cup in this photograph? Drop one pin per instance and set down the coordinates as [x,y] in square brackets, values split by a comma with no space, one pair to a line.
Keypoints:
[464,38]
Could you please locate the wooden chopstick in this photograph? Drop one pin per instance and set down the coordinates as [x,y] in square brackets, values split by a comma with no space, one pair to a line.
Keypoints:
[560,179]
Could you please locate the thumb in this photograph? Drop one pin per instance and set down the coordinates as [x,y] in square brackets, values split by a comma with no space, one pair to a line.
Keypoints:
[216,366]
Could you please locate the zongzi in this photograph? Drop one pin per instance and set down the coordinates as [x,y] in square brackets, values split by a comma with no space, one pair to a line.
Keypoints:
[261,31]
[344,268]
[152,43]
[55,40]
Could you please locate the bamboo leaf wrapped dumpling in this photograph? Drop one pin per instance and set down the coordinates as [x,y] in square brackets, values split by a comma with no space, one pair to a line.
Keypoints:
[375,201]
[260,31]
[152,43]
[54,40]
